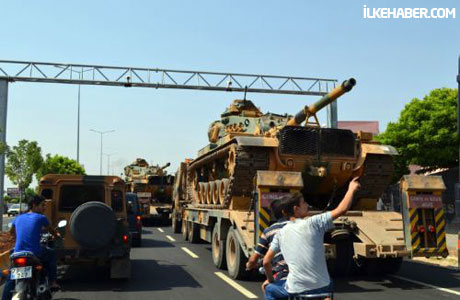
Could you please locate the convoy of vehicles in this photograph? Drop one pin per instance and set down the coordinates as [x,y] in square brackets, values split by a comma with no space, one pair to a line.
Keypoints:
[95,210]
[153,187]
[223,196]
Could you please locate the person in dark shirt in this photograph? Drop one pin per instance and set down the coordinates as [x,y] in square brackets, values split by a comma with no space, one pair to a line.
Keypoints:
[27,229]
[280,268]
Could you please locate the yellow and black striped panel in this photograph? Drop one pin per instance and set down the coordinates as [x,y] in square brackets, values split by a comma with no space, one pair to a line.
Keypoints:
[264,219]
[440,225]
[415,236]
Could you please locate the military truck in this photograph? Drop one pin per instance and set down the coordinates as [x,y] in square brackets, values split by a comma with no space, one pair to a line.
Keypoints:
[153,187]
[223,196]
[95,210]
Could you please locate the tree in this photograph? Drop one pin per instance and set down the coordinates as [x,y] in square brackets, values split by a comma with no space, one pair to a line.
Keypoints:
[426,132]
[58,164]
[23,161]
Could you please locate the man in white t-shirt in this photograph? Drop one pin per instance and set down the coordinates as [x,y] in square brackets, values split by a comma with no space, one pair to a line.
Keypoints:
[301,242]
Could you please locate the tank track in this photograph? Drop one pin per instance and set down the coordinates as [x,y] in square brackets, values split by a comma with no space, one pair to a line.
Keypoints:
[248,160]
[377,175]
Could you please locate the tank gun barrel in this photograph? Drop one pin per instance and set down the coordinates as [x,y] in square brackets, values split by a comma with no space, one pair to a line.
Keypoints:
[165,166]
[345,87]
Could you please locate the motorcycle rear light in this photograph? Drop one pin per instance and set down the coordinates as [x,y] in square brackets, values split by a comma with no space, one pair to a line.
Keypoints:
[5,272]
[421,229]
[20,261]
[125,239]
[431,228]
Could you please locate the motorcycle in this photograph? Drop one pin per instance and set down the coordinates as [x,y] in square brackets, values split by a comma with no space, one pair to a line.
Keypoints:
[28,273]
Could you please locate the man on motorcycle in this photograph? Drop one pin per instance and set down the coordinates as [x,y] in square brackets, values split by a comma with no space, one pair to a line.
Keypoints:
[27,229]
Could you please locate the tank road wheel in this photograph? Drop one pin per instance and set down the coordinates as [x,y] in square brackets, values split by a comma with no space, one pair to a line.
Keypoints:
[184,229]
[200,193]
[193,231]
[218,249]
[236,260]
[215,192]
[223,189]
[231,161]
[207,193]
[175,223]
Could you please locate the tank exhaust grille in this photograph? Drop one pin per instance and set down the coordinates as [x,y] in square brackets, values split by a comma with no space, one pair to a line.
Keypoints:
[316,141]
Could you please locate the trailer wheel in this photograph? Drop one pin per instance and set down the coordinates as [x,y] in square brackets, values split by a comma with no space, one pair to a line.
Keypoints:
[236,260]
[193,230]
[184,229]
[342,264]
[218,249]
[175,223]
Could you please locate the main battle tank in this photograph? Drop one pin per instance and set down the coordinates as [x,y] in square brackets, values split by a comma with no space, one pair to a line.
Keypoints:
[246,140]
[153,187]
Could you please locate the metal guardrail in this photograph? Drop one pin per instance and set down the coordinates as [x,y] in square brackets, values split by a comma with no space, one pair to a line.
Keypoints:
[161,78]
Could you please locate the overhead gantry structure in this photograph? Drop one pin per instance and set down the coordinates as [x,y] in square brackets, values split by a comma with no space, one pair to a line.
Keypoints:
[47,72]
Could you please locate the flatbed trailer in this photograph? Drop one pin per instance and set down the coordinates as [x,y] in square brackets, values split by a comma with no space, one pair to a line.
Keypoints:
[370,241]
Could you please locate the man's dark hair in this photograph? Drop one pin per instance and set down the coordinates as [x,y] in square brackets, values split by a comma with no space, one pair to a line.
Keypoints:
[277,209]
[35,200]
[288,202]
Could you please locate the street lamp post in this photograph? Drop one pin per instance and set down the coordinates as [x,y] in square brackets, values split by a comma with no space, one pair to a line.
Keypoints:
[80,76]
[108,161]
[101,133]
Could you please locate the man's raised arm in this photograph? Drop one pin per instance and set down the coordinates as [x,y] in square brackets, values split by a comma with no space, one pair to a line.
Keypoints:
[345,204]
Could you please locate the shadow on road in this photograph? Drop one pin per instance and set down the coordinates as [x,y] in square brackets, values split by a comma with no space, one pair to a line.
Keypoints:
[151,243]
[147,275]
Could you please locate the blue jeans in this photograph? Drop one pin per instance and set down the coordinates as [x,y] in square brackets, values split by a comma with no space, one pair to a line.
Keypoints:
[276,290]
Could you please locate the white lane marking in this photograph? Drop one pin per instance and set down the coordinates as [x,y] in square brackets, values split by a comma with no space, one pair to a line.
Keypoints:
[170,238]
[193,255]
[427,284]
[236,286]
[160,230]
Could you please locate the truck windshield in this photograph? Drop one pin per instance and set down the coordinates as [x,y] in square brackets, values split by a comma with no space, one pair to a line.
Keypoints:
[72,196]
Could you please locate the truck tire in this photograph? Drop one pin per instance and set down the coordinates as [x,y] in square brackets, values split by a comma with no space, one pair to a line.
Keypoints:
[342,265]
[92,225]
[184,229]
[236,260]
[175,223]
[193,232]
[218,249]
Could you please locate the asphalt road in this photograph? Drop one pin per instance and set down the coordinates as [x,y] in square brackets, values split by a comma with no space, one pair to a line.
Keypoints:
[163,269]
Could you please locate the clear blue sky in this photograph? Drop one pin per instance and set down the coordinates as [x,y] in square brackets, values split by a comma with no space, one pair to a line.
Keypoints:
[393,61]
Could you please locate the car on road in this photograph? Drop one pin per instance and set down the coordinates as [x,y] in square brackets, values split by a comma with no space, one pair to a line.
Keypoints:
[97,230]
[134,219]
[14,209]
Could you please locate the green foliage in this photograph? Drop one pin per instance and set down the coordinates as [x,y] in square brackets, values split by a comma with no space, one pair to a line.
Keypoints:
[29,193]
[58,164]
[426,132]
[3,147]
[7,198]
[23,161]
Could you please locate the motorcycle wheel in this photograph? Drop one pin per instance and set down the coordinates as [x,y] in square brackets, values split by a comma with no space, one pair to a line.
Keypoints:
[22,291]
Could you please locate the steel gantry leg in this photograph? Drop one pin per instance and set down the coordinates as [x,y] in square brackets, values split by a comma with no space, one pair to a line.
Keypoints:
[3,111]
